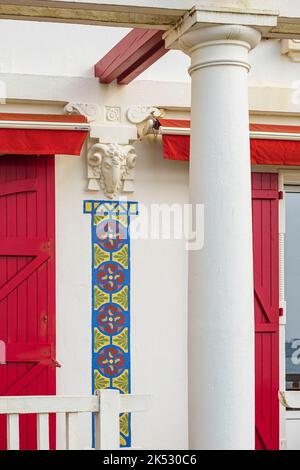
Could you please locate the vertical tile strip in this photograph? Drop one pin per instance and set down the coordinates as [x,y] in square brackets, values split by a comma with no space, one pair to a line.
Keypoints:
[111,299]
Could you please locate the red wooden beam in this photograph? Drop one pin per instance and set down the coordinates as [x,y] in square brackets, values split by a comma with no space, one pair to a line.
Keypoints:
[131,56]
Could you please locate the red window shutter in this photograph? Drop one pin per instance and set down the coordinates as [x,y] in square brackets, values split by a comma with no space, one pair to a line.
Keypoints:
[27,285]
[265,198]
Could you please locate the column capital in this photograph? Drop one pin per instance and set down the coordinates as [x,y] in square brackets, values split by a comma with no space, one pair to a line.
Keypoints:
[219,45]
[201,17]
[219,34]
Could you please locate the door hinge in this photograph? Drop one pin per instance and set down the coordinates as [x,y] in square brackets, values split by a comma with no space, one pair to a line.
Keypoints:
[280,195]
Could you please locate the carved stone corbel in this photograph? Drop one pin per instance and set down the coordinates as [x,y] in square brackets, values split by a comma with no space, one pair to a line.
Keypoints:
[111,168]
[144,117]
[90,110]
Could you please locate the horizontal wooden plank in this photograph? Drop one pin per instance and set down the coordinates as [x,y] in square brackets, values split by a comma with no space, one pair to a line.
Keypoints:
[69,404]
[26,352]
[266,328]
[18,186]
[49,404]
[25,247]
[265,194]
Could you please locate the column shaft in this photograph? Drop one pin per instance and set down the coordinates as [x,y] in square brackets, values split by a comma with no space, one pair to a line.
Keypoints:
[221,317]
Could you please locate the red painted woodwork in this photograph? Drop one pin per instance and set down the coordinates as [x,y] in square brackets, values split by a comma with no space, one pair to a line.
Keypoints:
[263,151]
[27,285]
[42,141]
[67,118]
[131,56]
[265,198]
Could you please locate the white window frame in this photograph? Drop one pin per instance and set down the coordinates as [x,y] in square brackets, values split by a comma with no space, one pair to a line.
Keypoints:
[289,181]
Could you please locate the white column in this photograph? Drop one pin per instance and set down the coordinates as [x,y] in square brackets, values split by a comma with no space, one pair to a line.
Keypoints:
[221,317]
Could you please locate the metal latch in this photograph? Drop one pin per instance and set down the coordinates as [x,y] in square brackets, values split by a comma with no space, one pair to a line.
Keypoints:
[55,362]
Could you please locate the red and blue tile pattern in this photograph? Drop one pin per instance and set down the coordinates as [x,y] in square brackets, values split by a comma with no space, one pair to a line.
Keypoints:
[111,299]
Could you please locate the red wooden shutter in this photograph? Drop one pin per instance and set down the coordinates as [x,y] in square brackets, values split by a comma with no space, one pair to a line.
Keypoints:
[266,304]
[27,285]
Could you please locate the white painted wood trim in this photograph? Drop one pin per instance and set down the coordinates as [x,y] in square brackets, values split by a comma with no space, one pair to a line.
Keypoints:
[134,403]
[48,404]
[43,431]
[293,415]
[13,440]
[282,302]
[72,431]
[106,406]
[69,404]
[290,177]
[67,126]
[108,426]
[282,319]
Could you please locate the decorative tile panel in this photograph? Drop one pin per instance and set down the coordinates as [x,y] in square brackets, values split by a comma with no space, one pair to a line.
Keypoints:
[111,299]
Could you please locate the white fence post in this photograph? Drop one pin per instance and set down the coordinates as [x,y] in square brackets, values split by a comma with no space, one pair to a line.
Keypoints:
[13,440]
[73,431]
[43,431]
[107,421]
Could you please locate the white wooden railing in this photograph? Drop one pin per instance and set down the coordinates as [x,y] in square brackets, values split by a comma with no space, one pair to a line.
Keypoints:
[106,406]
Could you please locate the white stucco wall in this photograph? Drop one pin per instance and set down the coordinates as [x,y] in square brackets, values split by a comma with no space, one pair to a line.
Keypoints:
[158,299]
[72,50]
[159,310]
[73,287]
[51,56]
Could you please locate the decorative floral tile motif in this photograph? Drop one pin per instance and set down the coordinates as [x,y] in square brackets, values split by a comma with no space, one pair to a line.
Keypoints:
[111,299]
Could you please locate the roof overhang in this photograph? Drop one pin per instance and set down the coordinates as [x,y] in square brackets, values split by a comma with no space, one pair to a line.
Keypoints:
[127,13]
[157,14]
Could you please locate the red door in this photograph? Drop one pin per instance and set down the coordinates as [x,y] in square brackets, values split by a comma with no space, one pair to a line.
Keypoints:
[27,285]
[266,306]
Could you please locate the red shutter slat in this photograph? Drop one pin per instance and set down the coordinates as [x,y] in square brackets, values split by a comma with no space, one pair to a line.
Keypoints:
[27,285]
[266,306]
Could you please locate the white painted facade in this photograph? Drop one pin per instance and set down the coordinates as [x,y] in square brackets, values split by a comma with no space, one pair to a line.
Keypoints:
[158,300]
[43,67]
